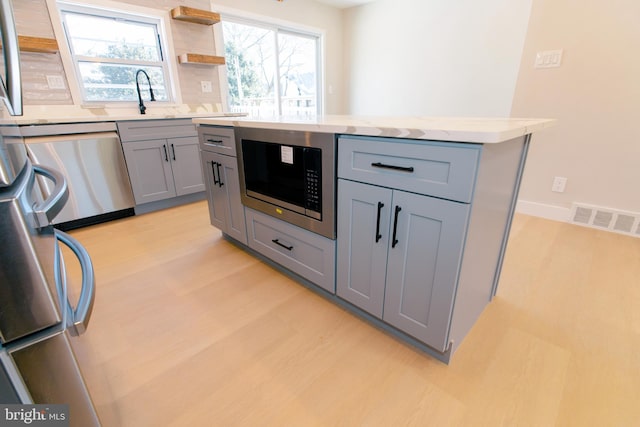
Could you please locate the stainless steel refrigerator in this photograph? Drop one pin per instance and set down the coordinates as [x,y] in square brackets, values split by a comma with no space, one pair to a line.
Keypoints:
[37,321]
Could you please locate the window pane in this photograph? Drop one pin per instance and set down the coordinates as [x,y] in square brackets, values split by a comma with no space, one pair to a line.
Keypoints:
[298,85]
[108,47]
[116,82]
[251,68]
[110,38]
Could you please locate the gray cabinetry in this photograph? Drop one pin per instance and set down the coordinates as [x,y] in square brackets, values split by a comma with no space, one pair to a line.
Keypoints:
[423,265]
[422,230]
[439,169]
[399,249]
[223,192]
[218,139]
[399,255]
[163,159]
[303,252]
[222,182]
[363,237]
[151,175]
[185,164]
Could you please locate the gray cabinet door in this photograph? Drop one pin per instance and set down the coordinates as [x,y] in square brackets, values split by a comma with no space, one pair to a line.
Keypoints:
[186,165]
[422,267]
[363,237]
[229,188]
[223,191]
[149,167]
[217,206]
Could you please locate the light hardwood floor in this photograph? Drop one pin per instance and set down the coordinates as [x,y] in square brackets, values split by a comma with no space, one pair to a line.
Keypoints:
[189,330]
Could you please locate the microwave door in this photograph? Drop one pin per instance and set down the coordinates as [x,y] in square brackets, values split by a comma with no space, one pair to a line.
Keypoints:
[11,85]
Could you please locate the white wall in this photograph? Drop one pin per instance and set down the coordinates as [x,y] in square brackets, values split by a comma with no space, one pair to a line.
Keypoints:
[595,95]
[434,57]
[310,14]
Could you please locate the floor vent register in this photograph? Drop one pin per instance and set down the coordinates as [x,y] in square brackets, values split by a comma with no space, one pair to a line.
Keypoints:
[606,219]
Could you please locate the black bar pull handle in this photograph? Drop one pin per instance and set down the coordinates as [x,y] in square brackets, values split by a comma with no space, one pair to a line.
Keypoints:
[394,167]
[173,150]
[395,227]
[378,235]
[220,183]
[277,242]
[166,157]
[215,141]
[213,170]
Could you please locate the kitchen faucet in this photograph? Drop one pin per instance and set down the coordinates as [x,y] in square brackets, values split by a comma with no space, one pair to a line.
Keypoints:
[140,103]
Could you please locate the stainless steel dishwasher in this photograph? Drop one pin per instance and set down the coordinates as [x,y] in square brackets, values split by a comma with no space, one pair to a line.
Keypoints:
[90,156]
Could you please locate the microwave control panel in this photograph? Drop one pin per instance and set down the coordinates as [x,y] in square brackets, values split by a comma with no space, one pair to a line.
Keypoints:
[313,192]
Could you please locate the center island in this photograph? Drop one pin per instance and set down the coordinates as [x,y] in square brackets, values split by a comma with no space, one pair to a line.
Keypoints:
[403,221]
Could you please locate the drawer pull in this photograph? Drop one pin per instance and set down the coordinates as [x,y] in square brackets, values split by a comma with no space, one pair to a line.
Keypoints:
[378,235]
[215,141]
[395,168]
[395,227]
[277,242]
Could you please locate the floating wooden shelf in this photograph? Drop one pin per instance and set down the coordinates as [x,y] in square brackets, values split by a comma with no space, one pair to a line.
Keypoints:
[37,44]
[197,16]
[195,58]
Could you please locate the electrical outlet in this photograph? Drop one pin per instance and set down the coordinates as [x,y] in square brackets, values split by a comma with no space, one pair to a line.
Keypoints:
[559,184]
[548,59]
[206,86]
[55,82]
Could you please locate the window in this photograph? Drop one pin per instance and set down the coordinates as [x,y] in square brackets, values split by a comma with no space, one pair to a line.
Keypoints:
[270,70]
[108,48]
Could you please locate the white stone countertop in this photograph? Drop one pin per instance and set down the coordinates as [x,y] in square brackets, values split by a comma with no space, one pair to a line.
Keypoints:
[459,129]
[54,114]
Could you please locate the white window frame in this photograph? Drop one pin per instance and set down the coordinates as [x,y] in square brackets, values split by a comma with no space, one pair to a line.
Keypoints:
[110,8]
[241,16]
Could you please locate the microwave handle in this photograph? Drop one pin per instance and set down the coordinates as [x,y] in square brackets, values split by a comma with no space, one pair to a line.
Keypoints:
[11,90]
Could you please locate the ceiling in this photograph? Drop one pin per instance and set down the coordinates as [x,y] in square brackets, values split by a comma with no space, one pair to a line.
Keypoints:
[343,4]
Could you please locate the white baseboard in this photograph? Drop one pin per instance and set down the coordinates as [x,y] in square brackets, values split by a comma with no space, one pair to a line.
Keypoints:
[555,213]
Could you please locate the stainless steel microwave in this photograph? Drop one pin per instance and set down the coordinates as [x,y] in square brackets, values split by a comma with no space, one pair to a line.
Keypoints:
[289,175]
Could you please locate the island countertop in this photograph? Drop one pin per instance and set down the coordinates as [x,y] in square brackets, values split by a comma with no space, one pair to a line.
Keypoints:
[459,129]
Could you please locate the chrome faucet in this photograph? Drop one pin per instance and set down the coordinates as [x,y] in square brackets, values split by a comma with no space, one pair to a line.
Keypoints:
[140,103]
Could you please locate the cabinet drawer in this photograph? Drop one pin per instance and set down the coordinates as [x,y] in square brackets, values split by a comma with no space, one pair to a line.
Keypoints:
[217,139]
[307,254]
[432,168]
[143,130]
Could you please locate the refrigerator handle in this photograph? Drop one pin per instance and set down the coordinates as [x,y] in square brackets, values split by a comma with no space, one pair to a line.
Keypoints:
[82,313]
[46,211]
[11,93]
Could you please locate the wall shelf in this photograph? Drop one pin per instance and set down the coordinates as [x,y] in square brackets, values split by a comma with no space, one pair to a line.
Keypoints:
[196,58]
[196,16]
[37,44]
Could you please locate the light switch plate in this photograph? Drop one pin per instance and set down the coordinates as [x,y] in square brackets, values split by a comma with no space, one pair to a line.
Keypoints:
[55,82]
[548,59]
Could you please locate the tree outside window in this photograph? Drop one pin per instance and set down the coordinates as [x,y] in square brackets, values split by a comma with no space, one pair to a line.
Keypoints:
[271,71]
[108,49]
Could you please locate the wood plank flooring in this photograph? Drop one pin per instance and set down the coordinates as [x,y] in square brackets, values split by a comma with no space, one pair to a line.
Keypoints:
[189,330]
